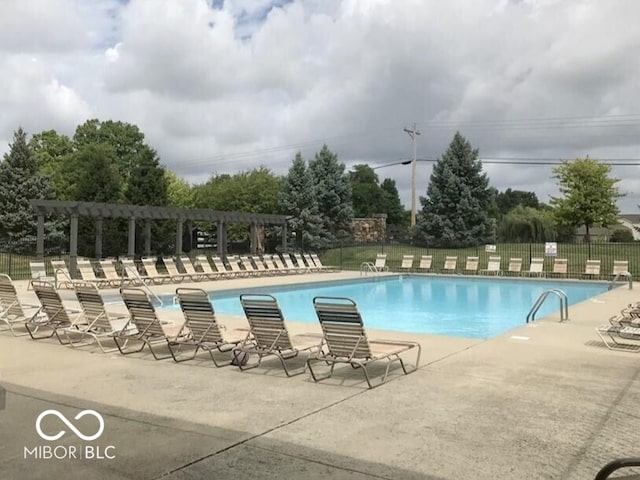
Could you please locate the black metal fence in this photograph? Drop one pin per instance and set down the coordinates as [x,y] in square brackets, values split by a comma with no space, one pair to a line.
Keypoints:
[351,257]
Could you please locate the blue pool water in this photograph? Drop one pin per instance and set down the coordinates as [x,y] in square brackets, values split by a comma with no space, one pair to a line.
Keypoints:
[455,306]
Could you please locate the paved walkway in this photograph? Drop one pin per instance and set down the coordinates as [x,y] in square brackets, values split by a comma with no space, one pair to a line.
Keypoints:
[544,401]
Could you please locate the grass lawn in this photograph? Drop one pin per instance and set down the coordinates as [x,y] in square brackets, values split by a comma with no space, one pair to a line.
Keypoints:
[577,254]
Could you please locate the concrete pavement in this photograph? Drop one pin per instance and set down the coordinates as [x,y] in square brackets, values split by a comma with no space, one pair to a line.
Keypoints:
[544,401]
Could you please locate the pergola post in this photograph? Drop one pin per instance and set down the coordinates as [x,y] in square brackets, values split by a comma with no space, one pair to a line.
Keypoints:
[190,235]
[254,238]
[284,237]
[40,238]
[222,239]
[98,237]
[132,237]
[73,245]
[179,237]
[147,237]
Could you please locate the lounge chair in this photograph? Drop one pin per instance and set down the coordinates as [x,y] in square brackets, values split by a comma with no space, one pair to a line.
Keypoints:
[345,341]
[222,268]
[89,275]
[173,272]
[12,311]
[39,272]
[425,262]
[380,264]
[407,263]
[201,331]
[560,267]
[190,268]
[109,270]
[307,267]
[131,271]
[290,265]
[207,271]
[149,330]
[312,263]
[56,316]
[269,334]
[536,267]
[281,266]
[249,267]
[620,267]
[493,265]
[515,266]
[234,263]
[97,324]
[450,264]
[63,278]
[620,337]
[261,266]
[592,268]
[471,266]
[149,265]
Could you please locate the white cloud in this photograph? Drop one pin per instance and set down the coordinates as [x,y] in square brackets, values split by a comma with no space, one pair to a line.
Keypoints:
[228,86]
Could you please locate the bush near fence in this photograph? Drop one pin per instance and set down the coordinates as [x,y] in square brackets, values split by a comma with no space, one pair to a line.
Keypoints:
[351,257]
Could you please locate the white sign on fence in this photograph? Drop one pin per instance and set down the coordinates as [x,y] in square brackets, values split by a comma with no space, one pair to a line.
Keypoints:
[550,249]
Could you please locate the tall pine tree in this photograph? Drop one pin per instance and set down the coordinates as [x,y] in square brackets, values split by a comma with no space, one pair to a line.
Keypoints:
[455,210]
[20,181]
[298,199]
[334,195]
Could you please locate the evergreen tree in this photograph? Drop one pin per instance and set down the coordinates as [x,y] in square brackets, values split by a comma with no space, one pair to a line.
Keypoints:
[20,181]
[334,195]
[396,213]
[455,210]
[147,181]
[298,199]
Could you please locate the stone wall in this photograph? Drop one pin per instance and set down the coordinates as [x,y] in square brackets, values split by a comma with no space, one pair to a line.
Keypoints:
[368,230]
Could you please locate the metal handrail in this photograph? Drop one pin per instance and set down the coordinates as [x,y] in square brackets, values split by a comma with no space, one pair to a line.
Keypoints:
[367,267]
[564,304]
[611,467]
[143,284]
[627,275]
[64,274]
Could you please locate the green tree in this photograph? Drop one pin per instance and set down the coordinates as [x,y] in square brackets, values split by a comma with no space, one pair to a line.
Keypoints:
[396,213]
[298,198]
[509,199]
[455,211]
[96,177]
[179,192]
[333,193]
[21,181]
[55,155]
[366,195]
[527,224]
[588,194]
[147,183]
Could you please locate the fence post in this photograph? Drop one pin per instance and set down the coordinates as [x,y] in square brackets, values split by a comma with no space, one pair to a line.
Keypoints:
[9,261]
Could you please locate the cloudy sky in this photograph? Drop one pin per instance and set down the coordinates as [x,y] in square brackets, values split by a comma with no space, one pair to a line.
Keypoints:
[219,86]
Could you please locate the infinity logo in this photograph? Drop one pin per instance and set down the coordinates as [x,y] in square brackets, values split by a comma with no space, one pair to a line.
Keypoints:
[64,420]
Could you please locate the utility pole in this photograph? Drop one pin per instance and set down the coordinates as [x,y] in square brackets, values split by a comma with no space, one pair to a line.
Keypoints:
[413,133]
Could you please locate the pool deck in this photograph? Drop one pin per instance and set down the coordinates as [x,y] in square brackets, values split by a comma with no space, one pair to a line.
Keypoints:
[544,401]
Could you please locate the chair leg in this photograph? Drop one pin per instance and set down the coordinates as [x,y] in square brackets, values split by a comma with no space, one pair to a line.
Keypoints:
[35,330]
[315,377]
[122,347]
[175,352]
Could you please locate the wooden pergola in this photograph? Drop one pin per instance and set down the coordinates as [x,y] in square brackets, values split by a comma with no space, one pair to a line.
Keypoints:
[99,211]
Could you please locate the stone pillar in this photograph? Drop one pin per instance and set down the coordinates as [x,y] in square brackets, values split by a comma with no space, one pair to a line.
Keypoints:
[147,237]
[40,238]
[179,237]
[132,237]
[98,237]
[73,245]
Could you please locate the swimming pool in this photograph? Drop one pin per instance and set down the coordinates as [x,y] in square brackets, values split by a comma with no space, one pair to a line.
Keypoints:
[454,306]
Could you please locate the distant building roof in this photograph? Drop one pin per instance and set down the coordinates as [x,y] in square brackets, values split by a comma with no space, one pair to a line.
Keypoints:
[630,217]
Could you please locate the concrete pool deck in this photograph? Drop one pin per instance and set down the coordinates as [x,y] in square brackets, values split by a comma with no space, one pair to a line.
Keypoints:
[544,401]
